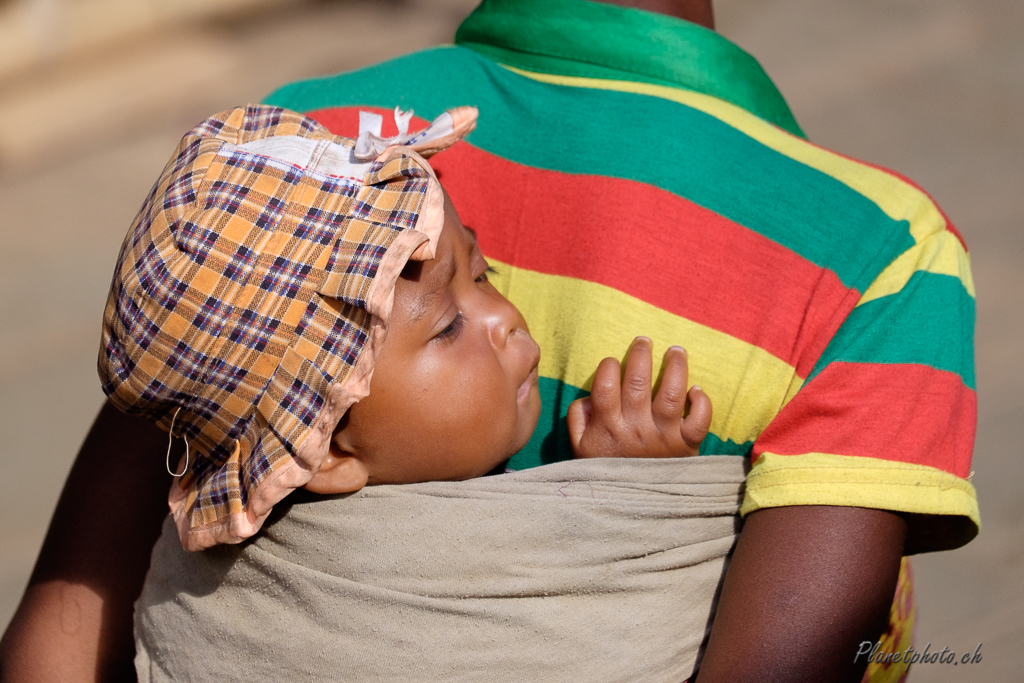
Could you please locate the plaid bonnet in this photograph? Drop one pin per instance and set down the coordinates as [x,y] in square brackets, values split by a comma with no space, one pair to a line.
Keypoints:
[253,291]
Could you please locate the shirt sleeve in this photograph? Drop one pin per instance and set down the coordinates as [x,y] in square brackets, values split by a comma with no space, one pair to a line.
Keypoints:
[886,418]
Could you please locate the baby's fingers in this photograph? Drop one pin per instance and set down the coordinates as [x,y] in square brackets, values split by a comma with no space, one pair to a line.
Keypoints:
[636,382]
[668,405]
[695,426]
[577,419]
[605,393]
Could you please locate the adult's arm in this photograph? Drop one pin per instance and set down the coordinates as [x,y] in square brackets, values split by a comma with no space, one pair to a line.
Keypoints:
[806,585]
[74,622]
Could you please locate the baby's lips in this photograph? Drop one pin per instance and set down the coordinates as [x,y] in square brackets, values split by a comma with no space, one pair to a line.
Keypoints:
[532,360]
[536,352]
[532,377]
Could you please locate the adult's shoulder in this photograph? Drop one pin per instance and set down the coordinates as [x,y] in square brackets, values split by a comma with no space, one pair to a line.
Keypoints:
[421,79]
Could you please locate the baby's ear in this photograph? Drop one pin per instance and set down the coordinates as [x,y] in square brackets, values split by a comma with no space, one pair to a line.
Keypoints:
[341,472]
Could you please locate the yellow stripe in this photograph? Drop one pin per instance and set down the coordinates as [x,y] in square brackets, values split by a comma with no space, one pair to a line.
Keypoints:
[942,254]
[827,479]
[578,323]
[898,199]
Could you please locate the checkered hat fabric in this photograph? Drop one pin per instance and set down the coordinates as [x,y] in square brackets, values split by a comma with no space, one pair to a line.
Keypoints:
[251,294]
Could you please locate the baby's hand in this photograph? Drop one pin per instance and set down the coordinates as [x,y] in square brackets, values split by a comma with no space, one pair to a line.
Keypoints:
[622,422]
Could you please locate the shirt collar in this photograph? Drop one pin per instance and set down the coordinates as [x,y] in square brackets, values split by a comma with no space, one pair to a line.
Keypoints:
[597,40]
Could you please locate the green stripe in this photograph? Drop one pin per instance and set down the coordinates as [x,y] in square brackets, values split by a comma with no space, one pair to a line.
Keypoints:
[597,40]
[715,446]
[566,129]
[928,322]
[550,441]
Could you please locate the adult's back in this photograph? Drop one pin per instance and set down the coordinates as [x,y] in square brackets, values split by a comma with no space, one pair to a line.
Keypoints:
[637,174]
[633,173]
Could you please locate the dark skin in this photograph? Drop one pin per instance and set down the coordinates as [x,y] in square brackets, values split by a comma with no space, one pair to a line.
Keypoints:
[74,622]
[806,585]
[695,11]
[832,570]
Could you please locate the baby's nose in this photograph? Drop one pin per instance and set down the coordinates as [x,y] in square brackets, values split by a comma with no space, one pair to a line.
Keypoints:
[505,320]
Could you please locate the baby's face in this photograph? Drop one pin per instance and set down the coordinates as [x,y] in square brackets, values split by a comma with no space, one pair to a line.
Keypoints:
[454,389]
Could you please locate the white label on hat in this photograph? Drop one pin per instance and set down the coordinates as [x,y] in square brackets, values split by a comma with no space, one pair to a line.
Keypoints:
[318,156]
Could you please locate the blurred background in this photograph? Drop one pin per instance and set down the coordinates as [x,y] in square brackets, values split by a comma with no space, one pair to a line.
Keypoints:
[94,95]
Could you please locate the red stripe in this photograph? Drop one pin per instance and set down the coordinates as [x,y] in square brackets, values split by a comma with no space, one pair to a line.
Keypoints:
[345,121]
[645,242]
[900,412]
[908,181]
[652,245]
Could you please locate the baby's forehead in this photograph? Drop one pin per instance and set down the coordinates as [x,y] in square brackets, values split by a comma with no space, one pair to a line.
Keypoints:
[423,283]
[456,240]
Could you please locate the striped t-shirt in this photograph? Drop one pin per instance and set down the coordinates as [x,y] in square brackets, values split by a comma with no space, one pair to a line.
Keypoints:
[636,174]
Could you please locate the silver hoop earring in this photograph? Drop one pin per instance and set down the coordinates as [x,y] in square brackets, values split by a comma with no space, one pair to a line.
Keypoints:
[170,441]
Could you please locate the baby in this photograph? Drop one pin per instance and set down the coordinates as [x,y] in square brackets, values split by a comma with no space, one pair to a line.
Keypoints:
[251,305]
[458,372]
[308,311]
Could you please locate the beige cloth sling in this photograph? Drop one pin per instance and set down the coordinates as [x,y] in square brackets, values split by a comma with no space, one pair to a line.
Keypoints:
[586,570]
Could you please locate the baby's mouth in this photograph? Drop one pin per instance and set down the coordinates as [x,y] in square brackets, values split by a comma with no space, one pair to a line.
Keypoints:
[526,386]
[532,378]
